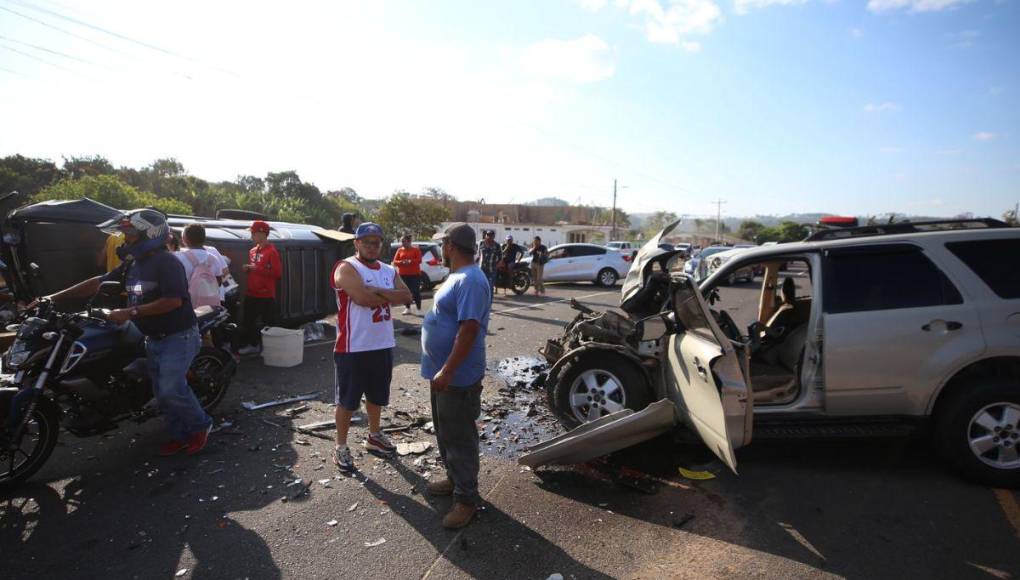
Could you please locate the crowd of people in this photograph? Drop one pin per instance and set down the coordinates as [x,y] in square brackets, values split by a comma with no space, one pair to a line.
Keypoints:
[165,279]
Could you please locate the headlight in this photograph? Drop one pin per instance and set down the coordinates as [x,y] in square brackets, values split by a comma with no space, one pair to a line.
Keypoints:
[18,354]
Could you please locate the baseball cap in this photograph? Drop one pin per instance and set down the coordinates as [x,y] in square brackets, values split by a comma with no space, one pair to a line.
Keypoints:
[367,229]
[460,235]
[259,226]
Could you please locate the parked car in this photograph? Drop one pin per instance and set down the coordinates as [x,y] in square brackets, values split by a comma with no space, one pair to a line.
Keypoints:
[697,267]
[920,324]
[622,246]
[717,260]
[585,263]
[432,268]
[685,248]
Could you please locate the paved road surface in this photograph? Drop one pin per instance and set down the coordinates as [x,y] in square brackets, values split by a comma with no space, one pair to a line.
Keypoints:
[106,508]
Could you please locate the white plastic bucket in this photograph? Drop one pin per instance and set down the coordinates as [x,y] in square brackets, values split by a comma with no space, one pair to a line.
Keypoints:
[282,347]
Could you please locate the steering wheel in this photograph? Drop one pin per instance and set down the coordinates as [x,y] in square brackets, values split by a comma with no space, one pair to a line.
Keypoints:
[728,326]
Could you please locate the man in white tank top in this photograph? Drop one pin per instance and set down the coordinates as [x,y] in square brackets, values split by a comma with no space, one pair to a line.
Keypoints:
[365,288]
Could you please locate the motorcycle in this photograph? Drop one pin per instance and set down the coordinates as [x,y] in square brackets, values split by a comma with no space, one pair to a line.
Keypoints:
[86,374]
[517,278]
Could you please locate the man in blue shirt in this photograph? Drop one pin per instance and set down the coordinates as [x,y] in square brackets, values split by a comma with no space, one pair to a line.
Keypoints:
[453,360]
[160,306]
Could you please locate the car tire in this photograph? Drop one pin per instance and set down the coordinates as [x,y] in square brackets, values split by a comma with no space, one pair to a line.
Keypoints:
[608,368]
[607,278]
[961,431]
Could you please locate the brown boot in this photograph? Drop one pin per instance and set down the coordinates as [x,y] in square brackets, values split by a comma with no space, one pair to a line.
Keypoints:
[440,487]
[459,516]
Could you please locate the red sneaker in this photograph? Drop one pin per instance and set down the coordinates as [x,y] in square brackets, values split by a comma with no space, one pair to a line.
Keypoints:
[197,440]
[172,448]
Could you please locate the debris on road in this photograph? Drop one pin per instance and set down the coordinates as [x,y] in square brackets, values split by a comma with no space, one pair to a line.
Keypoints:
[522,372]
[353,507]
[413,448]
[378,542]
[332,523]
[252,406]
[696,475]
[319,425]
[181,572]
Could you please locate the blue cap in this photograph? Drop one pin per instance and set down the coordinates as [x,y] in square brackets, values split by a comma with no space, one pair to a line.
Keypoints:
[368,229]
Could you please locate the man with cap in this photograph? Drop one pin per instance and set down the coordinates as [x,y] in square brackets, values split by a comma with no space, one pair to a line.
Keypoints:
[264,270]
[365,289]
[489,256]
[453,361]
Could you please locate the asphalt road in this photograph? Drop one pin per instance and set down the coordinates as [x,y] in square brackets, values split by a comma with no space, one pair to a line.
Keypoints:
[106,507]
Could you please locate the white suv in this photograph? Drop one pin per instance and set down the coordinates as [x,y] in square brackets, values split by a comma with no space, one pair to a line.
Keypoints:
[862,331]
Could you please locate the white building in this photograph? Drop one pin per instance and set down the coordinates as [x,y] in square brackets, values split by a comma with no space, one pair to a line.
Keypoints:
[551,235]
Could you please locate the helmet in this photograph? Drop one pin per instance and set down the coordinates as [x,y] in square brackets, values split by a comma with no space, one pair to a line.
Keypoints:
[149,224]
[509,238]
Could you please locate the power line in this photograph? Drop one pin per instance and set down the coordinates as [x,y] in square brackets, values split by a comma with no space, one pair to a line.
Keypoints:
[14,72]
[51,51]
[67,32]
[42,60]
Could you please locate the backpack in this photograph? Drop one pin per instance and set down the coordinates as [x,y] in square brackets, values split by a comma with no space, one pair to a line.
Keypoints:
[203,287]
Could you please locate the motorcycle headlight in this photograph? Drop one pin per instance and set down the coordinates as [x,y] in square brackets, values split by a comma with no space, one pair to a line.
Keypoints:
[17,355]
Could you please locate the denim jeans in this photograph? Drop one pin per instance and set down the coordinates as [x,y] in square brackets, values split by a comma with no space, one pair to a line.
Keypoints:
[169,359]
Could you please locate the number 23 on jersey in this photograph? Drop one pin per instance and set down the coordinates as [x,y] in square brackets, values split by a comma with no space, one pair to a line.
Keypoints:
[381,313]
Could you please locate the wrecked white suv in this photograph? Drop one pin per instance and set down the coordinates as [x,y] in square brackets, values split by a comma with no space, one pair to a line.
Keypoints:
[853,332]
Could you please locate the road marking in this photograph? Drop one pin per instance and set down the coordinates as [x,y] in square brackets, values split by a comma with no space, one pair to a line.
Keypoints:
[1010,507]
[543,304]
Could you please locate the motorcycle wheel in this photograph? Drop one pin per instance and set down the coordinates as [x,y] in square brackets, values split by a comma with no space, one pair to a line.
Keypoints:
[35,447]
[522,281]
[209,376]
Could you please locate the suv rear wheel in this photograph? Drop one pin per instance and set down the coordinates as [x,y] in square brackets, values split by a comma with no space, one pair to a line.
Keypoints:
[979,431]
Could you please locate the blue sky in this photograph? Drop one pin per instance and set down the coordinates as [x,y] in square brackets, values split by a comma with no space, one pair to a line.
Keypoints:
[775,106]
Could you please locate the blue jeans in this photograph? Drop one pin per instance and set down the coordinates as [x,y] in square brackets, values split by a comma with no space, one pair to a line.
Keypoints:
[169,359]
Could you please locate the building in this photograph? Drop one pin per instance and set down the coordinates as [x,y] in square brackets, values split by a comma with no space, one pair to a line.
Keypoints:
[551,235]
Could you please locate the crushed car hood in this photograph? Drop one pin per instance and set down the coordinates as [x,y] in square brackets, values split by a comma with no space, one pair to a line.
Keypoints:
[649,253]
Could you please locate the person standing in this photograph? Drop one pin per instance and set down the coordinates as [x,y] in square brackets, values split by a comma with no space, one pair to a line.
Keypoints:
[203,269]
[349,223]
[159,305]
[408,263]
[489,257]
[453,361]
[264,270]
[109,258]
[511,254]
[539,256]
[365,288]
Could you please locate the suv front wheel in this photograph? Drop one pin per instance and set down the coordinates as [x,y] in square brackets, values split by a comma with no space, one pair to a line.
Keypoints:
[979,431]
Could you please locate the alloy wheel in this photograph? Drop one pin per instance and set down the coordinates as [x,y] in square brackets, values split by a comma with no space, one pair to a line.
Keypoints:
[596,393]
[994,435]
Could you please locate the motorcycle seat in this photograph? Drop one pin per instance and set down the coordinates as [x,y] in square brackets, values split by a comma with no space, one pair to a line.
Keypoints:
[206,313]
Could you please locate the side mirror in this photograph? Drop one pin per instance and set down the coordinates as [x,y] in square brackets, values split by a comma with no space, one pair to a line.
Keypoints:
[109,289]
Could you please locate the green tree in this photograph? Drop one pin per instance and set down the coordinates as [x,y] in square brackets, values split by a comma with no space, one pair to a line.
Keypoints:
[657,221]
[786,231]
[88,165]
[1011,218]
[110,190]
[750,230]
[604,217]
[402,212]
[26,175]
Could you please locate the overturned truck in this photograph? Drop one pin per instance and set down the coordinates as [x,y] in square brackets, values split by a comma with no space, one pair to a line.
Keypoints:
[51,245]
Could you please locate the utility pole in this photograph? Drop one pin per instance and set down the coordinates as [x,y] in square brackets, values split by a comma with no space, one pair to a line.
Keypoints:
[718,218]
[612,236]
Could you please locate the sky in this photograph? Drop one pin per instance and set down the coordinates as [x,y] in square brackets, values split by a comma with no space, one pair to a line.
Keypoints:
[772,106]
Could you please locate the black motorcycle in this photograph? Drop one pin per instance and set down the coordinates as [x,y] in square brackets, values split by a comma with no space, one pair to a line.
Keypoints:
[516,278]
[83,373]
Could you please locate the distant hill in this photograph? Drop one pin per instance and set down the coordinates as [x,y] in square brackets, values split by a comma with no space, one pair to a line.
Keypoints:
[549,202]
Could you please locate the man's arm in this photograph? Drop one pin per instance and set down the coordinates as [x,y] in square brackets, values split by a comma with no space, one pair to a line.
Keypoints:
[79,290]
[400,294]
[467,332]
[274,266]
[348,280]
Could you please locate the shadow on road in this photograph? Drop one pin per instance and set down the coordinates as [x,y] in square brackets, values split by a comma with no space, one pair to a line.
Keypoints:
[495,545]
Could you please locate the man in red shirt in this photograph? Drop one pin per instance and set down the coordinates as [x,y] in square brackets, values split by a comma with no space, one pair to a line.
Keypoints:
[407,260]
[264,270]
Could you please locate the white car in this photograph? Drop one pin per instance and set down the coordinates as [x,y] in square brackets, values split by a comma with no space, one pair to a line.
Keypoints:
[622,246]
[585,263]
[716,261]
[432,268]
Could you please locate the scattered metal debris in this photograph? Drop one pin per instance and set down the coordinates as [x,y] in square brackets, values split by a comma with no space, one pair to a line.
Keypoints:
[378,542]
[696,475]
[413,448]
[332,523]
[252,406]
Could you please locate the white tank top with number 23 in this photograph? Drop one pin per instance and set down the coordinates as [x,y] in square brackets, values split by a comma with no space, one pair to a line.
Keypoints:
[360,328]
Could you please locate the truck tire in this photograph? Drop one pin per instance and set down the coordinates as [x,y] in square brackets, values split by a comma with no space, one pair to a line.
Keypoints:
[596,384]
[978,430]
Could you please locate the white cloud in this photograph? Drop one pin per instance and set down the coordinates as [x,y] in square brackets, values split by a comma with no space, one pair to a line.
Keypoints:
[583,60]
[985,136]
[745,6]
[666,23]
[915,5]
[886,107]
[592,5]
[691,46]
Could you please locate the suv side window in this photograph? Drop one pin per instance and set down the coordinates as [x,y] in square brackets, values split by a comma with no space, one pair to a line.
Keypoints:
[587,251]
[988,259]
[884,278]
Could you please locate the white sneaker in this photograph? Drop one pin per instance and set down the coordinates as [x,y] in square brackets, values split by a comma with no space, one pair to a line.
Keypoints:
[406,310]
[246,350]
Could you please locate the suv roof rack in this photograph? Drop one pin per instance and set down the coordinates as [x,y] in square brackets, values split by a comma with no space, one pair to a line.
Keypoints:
[905,228]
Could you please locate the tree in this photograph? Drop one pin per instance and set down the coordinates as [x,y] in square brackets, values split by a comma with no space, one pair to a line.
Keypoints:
[786,231]
[604,217]
[26,175]
[658,220]
[75,167]
[750,230]
[346,193]
[112,191]
[402,213]
[1011,218]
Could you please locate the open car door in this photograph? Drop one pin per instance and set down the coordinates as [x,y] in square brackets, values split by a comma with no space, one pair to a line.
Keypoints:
[705,376]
